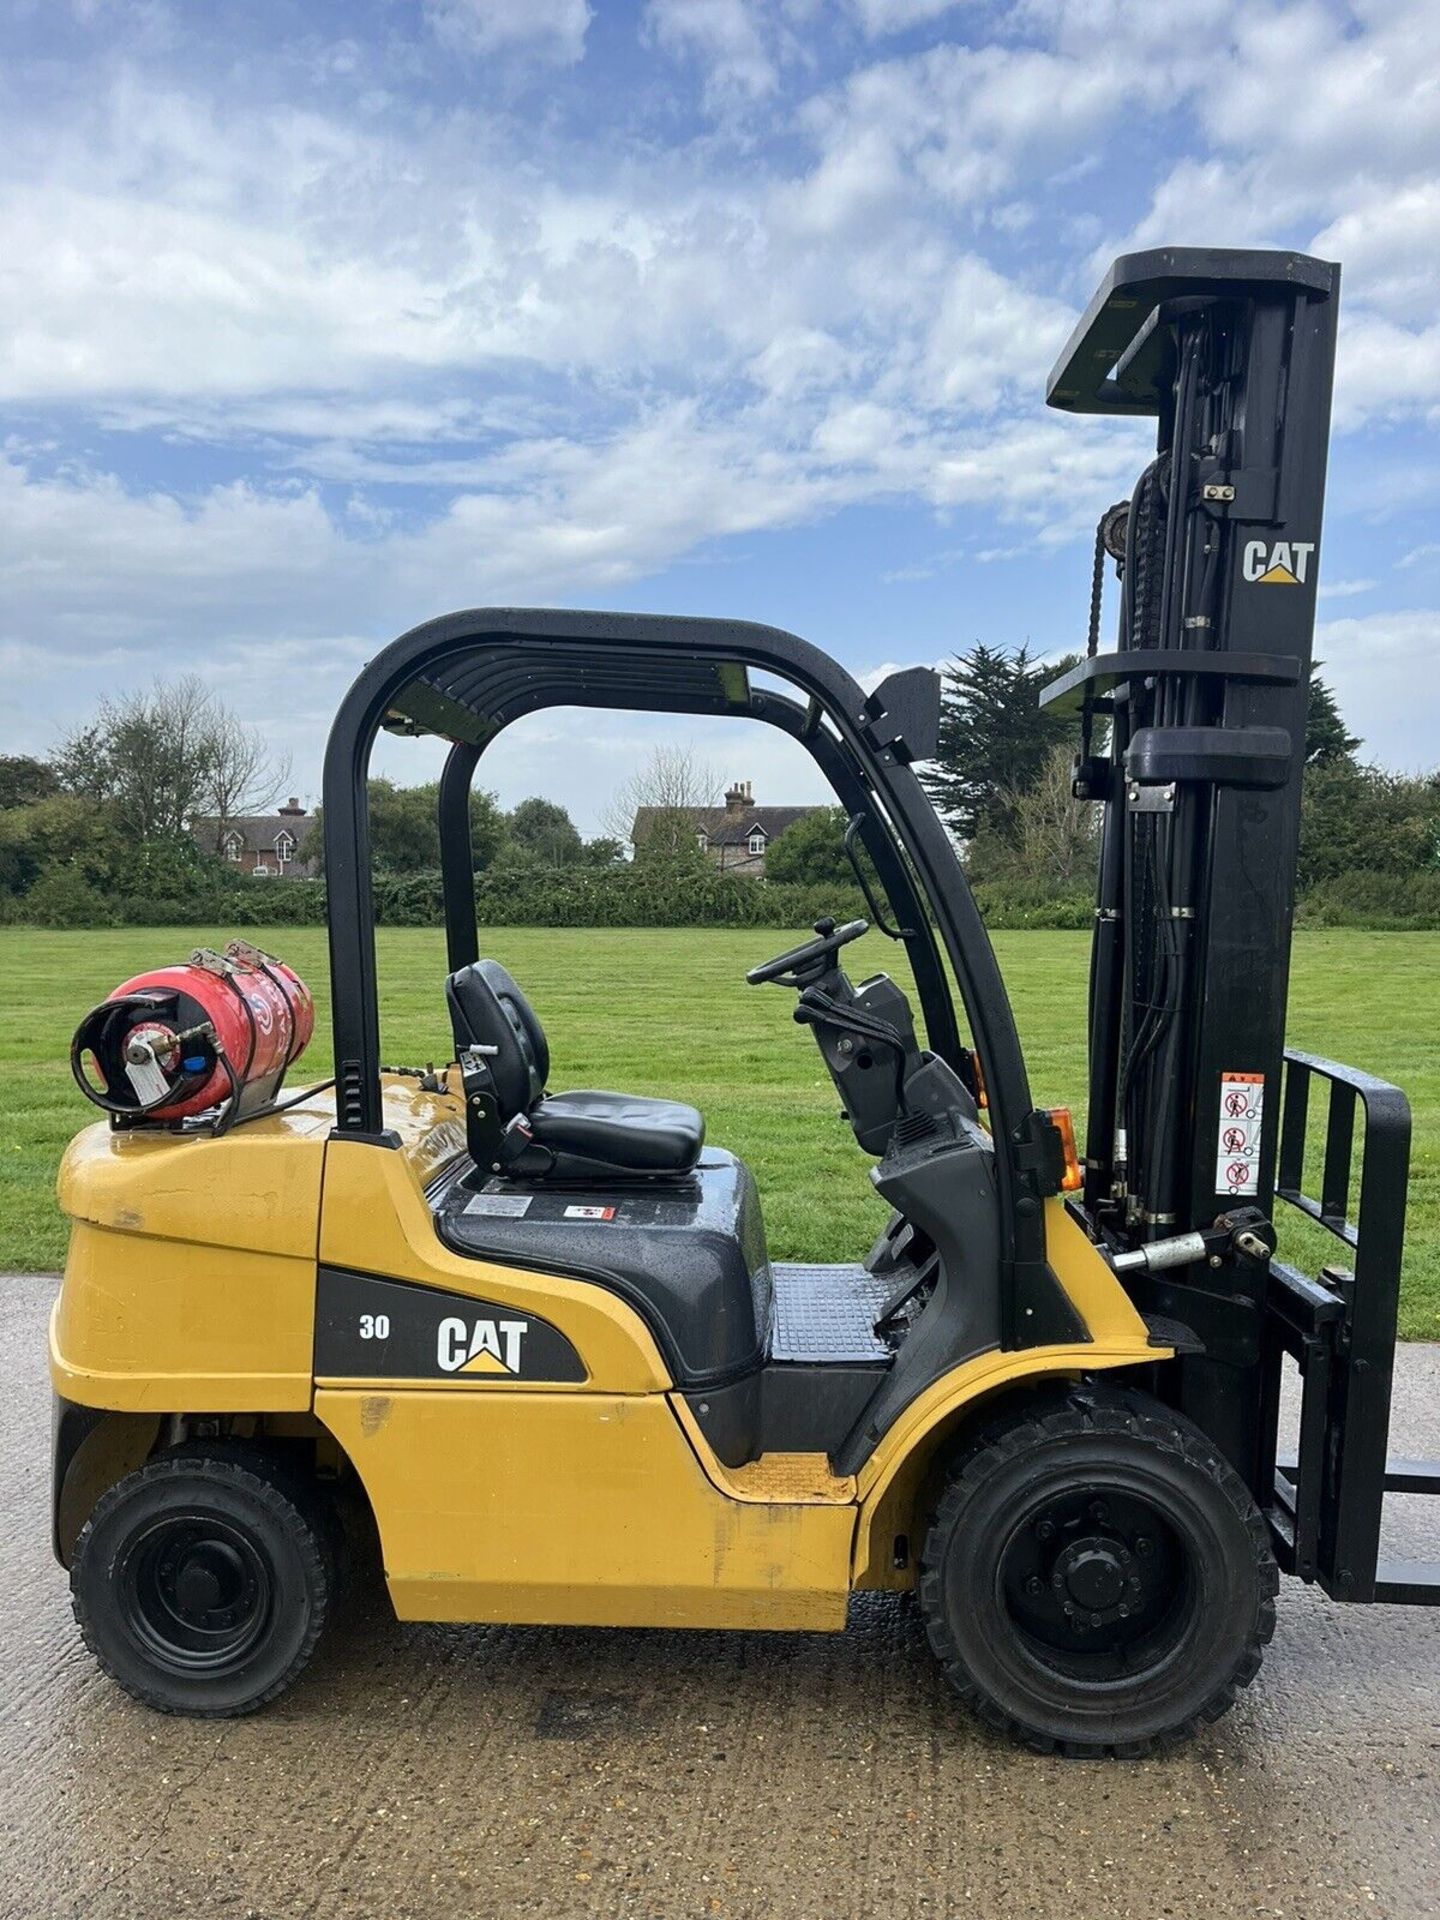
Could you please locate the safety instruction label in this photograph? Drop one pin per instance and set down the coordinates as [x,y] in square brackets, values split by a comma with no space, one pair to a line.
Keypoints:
[510,1206]
[1237,1147]
[591,1213]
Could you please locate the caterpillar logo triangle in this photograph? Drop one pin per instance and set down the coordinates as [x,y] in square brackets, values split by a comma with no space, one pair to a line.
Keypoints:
[485,1362]
[1277,577]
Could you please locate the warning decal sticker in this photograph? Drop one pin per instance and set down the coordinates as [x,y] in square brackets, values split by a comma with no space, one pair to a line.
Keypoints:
[508,1206]
[1237,1146]
[591,1213]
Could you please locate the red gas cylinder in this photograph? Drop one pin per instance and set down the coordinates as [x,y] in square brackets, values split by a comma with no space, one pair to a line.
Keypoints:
[181,1040]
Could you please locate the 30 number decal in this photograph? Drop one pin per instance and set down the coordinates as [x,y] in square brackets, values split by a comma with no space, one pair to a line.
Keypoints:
[374,1326]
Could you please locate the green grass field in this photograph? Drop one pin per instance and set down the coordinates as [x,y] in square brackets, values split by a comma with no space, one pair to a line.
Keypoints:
[668,1012]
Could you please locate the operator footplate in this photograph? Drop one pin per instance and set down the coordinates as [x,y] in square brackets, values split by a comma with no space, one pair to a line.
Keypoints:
[827,1315]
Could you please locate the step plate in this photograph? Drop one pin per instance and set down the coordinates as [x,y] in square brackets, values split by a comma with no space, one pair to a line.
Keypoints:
[827,1315]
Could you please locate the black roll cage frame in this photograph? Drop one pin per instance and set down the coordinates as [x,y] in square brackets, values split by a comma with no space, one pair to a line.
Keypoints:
[549,658]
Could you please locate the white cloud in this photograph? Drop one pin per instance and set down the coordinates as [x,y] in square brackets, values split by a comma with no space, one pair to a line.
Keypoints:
[1385,370]
[881,17]
[1388,241]
[1303,86]
[117,295]
[548,29]
[728,38]
[991,339]
[1326,130]
[1375,663]
[583,352]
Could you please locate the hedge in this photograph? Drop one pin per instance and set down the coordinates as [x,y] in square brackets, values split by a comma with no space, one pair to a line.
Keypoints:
[1387,902]
[582,897]
[539,897]
[635,897]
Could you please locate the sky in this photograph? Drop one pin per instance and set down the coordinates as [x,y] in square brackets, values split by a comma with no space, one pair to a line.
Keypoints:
[319,319]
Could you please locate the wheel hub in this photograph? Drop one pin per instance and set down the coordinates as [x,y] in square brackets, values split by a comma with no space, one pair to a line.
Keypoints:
[1090,1571]
[197,1592]
[206,1579]
[1095,1575]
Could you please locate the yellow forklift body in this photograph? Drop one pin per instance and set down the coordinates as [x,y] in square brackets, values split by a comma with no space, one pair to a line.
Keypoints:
[190,1278]
[580,1509]
[598,1502]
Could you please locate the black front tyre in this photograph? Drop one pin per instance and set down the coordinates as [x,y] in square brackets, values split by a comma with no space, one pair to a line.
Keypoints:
[1096,1578]
[202,1582]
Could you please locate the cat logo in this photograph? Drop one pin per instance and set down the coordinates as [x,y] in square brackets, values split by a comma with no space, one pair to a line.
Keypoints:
[1283,564]
[481,1346]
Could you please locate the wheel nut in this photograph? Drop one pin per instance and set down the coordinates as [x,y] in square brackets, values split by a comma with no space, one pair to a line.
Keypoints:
[1145,1545]
[1034,1584]
[1057,1581]
[1044,1530]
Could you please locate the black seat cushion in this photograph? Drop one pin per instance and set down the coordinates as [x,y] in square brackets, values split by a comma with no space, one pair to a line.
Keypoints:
[591,1131]
[573,1136]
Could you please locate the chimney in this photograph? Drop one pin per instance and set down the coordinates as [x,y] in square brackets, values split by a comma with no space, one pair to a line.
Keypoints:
[737,797]
[293,808]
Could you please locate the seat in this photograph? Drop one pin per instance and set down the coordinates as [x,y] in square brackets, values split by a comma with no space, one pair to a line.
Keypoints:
[586,1135]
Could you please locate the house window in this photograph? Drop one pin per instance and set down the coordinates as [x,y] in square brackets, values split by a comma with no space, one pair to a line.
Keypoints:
[757,842]
[232,845]
[284,847]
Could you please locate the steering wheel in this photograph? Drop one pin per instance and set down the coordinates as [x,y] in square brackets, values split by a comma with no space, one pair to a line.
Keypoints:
[801,965]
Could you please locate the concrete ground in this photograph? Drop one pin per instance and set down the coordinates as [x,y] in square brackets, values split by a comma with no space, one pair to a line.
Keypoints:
[527,1771]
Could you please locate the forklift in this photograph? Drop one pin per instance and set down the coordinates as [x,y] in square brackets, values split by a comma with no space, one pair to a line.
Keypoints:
[537,1332]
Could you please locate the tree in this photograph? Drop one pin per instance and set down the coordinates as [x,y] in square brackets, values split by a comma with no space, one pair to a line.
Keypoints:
[69,830]
[995,737]
[243,775]
[812,852]
[153,756]
[81,763]
[541,832]
[405,832]
[1326,738]
[603,852]
[1357,819]
[670,788]
[1051,840]
[166,758]
[24,780]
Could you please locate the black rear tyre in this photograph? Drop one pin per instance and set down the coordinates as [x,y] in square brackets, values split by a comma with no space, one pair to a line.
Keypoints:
[202,1582]
[1096,1578]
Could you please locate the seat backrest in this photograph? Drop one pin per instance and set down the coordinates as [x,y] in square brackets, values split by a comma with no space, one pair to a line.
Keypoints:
[487,1009]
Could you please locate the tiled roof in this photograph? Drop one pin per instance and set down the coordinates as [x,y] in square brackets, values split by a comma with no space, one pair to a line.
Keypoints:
[258,831]
[722,828]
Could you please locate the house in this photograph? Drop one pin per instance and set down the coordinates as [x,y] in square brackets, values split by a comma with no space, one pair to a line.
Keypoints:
[737,836]
[265,844]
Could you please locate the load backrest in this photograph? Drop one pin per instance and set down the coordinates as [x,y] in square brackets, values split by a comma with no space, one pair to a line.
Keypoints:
[487,1009]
